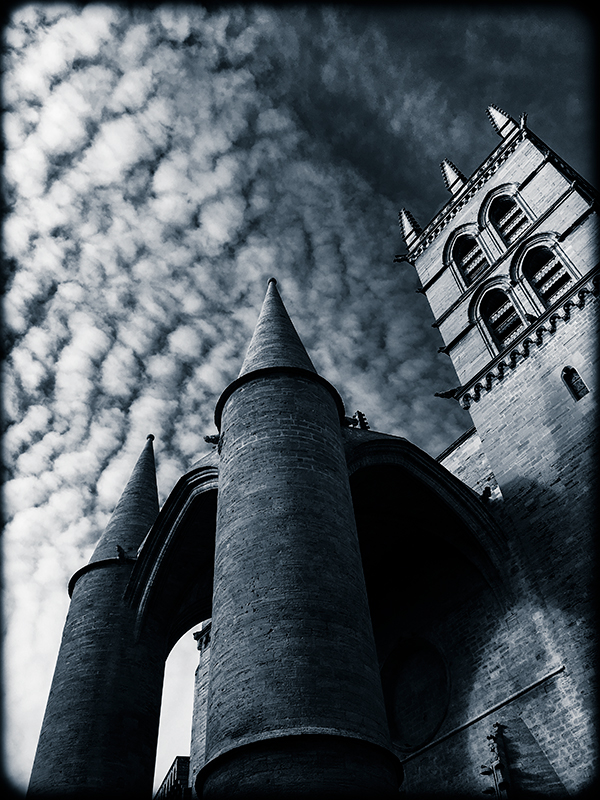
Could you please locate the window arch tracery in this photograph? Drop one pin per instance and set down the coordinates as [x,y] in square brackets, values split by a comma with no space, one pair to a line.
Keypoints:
[549,278]
[468,257]
[500,317]
[507,217]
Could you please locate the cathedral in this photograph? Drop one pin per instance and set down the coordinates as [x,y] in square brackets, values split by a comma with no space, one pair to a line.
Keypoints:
[370,621]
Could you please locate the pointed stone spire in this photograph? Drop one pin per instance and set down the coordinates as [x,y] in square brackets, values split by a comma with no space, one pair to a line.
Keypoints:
[275,342]
[503,124]
[453,178]
[410,227]
[135,512]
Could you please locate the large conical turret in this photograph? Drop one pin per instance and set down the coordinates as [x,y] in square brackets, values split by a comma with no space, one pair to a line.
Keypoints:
[290,607]
[135,512]
[275,342]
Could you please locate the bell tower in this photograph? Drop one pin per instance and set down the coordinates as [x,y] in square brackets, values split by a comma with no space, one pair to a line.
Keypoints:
[509,267]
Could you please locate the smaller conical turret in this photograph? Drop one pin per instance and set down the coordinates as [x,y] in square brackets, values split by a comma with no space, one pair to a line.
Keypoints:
[135,512]
[503,124]
[410,227]
[275,342]
[453,178]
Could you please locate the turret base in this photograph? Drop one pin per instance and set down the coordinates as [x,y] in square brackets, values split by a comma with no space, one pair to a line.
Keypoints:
[298,767]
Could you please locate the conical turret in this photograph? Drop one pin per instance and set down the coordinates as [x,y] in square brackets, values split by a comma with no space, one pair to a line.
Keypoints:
[275,342]
[135,512]
[453,177]
[98,736]
[410,227]
[503,124]
[289,596]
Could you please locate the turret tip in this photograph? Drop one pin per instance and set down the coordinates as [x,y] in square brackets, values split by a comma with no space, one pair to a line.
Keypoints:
[272,280]
[150,436]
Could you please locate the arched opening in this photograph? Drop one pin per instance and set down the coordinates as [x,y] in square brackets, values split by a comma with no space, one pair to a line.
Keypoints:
[171,589]
[500,317]
[508,218]
[549,278]
[428,578]
[171,585]
[175,728]
[468,257]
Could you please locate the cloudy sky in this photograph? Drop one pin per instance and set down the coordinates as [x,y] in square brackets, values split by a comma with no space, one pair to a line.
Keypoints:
[162,163]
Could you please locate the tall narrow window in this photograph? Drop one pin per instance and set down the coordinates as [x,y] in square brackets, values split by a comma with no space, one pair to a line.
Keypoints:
[469,257]
[508,218]
[501,317]
[549,278]
[574,383]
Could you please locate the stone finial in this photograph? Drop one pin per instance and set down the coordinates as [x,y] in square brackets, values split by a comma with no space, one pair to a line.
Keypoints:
[503,124]
[453,177]
[409,226]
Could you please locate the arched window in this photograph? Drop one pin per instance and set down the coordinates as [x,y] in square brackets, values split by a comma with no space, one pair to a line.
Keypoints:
[549,278]
[574,383]
[501,317]
[508,218]
[468,257]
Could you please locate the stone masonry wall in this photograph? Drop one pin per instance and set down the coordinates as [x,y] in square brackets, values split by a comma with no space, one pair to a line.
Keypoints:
[292,649]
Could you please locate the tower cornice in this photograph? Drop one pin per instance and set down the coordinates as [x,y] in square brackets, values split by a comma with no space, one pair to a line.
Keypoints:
[535,335]
[267,371]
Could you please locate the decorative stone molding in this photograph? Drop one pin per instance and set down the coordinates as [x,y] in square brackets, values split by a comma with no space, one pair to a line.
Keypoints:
[547,325]
[489,167]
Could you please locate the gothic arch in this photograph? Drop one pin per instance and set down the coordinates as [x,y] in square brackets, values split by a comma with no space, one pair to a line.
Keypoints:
[473,531]
[172,581]
[509,189]
[435,565]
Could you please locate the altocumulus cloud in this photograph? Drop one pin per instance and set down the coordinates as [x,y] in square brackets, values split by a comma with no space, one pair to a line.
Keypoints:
[160,167]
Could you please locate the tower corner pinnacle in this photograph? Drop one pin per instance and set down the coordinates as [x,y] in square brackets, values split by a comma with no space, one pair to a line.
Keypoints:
[409,226]
[453,177]
[503,124]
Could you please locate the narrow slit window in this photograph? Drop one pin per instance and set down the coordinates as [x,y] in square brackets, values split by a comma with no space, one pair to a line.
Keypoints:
[508,218]
[574,383]
[469,257]
[549,278]
[501,318]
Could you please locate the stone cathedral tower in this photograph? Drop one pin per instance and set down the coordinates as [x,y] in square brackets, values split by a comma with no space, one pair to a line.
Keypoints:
[379,619]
